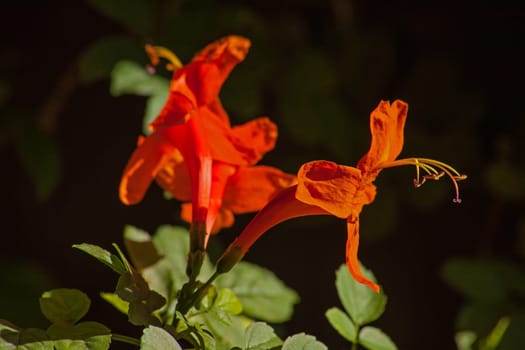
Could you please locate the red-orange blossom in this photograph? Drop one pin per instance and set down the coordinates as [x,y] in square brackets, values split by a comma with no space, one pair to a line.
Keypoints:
[196,155]
[327,188]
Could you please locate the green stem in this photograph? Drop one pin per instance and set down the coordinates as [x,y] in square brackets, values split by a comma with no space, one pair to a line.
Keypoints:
[355,345]
[169,312]
[125,339]
[198,294]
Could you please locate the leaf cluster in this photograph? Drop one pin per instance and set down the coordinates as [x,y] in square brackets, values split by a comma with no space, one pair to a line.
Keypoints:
[231,314]
[63,308]
[362,307]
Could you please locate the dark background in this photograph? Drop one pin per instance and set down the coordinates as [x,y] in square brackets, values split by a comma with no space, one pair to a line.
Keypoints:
[317,68]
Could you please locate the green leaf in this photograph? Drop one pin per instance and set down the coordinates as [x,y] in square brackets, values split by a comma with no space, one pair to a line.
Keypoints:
[145,256]
[374,339]
[227,335]
[116,301]
[479,317]
[173,242]
[27,339]
[83,336]
[194,333]
[136,15]
[220,304]
[342,324]
[140,247]
[514,337]
[154,105]
[493,340]
[303,341]
[139,314]
[156,338]
[105,257]
[132,287]
[6,325]
[155,301]
[208,300]
[64,305]
[488,280]
[228,302]
[160,277]
[465,340]
[260,336]
[8,339]
[97,61]
[362,304]
[142,301]
[130,78]
[262,294]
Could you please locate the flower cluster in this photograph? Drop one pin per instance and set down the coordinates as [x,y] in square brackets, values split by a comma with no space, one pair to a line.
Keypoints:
[196,155]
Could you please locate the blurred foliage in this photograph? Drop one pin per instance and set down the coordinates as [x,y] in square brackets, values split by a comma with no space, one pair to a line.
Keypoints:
[150,290]
[63,308]
[494,314]
[26,282]
[318,68]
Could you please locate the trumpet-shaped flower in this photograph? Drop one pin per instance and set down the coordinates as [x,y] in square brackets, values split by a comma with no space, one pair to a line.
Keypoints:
[327,188]
[195,154]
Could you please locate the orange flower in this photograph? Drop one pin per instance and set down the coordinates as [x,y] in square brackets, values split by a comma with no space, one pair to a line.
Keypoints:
[327,188]
[194,153]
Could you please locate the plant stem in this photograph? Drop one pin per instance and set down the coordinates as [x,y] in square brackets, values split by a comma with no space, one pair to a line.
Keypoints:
[355,345]
[125,339]
[198,294]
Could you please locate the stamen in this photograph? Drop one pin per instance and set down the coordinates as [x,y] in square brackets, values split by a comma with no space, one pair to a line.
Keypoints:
[430,167]
[419,183]
[157,52]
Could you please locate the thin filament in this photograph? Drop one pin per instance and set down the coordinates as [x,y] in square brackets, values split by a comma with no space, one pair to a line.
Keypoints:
[430,167]
[157,52]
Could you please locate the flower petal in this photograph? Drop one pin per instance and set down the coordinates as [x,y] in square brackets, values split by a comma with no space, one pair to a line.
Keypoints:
[198,83]
[251,188]
[174,177]
[240,145]
[145,162]
[338,189]
[352,262]
[217,109]
[255,138]
[220,175]
[224,218]
[282,207]
[386,124]
[177,110]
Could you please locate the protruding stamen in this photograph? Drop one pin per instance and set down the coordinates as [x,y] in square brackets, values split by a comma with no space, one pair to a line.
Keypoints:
[157,52]
[430,167]
[419,181]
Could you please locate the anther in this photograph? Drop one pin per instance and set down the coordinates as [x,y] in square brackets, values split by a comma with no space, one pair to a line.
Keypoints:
[150,69]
